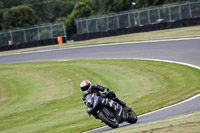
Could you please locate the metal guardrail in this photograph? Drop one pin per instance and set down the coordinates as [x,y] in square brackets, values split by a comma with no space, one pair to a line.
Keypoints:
[34,33]
[140,17]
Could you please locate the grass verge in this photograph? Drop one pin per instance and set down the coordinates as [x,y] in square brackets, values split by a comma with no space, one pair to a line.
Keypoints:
[186,32]
[188,123]
[45,96]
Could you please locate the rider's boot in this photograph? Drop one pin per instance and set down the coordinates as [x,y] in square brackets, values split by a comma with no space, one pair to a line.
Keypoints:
[123,104]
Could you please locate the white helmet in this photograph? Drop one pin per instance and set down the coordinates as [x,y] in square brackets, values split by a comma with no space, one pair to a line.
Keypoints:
[85,85]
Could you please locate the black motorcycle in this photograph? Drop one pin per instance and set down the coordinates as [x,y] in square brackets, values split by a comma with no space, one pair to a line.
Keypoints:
[108,111]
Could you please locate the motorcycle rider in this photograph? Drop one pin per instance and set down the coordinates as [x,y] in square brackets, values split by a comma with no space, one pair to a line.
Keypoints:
[88,88]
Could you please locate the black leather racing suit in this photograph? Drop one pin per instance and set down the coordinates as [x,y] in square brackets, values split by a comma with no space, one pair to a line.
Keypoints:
[96,88]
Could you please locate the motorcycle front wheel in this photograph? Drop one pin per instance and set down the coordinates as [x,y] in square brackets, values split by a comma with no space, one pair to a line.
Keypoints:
[111,122]
[132,117]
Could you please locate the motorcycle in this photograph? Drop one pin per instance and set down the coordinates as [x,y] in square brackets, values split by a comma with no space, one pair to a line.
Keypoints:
[108,111]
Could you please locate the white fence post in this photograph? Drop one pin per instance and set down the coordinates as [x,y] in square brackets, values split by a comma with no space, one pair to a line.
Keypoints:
[170,19]
[180,14]
[107,24]
[87,26]
[25,39]
[139,18]
[118,22]
[51,31]
[38,30]
[149,20]
[158,12]
[97,25]
[77,26]
[11,37]
[129,20]
[64,30]
[190,11]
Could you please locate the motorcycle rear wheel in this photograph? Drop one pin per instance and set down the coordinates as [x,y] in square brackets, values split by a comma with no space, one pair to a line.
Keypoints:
[111,122]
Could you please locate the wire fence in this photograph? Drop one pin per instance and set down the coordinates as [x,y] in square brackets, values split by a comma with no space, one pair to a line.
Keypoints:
[35,33]
[140,17]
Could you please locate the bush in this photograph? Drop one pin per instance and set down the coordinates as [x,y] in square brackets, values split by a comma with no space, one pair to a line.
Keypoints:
[84,9]
[21,16]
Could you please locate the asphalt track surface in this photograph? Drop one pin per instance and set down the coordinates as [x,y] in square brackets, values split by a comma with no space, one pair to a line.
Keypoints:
[186,51]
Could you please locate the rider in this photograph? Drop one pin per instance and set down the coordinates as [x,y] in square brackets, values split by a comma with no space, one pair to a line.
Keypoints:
[88,88]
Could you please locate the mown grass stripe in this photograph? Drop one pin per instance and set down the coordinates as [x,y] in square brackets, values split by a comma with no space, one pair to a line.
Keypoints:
[137,82]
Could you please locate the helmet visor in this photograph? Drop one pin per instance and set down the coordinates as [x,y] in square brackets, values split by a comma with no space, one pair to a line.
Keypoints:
[84,88]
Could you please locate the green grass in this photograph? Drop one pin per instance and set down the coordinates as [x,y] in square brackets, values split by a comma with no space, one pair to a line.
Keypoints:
[45,97]
[186,32]
[188,123]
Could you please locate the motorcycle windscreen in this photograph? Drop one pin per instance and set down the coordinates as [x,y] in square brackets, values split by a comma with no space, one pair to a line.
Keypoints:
[92,101]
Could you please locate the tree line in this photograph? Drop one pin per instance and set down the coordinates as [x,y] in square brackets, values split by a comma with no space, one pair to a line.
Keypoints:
[23,13]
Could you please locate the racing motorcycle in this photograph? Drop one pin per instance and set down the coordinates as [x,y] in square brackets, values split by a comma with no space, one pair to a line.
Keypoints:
[108,111]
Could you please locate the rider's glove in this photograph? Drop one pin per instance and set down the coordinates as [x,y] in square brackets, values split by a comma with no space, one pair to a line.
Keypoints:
[104,95]
[111,95]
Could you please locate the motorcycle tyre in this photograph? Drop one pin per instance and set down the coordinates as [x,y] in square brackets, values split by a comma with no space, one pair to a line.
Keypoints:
[107,121]
[132,117]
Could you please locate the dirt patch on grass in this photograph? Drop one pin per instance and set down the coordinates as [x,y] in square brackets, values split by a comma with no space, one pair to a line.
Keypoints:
[2,94]
[51,90]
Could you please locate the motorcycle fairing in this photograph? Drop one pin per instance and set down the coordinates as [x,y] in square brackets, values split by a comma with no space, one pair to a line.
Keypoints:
[92,101]
[116,108]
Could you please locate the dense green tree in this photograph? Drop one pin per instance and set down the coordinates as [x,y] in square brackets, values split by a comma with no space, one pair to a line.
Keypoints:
[62,8]
[95,5]
[83,9]
[65,10]
[10,3]
[172,1]
[147,3]
[21,16]
[44,11]
[108,6]
[1,4]
[1,20]
[47,10]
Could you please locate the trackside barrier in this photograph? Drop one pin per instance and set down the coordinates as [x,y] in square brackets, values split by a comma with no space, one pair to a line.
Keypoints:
[38,43]
[140,17]
[33,36]
[152,27]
